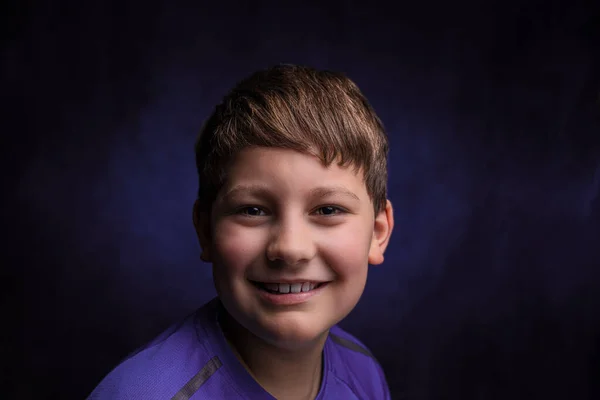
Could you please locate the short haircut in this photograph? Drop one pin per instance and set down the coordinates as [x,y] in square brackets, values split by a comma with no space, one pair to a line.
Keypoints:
[321,113]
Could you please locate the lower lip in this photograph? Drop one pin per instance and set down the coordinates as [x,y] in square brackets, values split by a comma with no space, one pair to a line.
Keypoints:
[289,299]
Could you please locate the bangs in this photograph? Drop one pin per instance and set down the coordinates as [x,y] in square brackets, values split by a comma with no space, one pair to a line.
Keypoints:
[323,114]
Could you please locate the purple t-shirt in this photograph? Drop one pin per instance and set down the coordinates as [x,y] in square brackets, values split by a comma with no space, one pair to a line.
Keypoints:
[192,360]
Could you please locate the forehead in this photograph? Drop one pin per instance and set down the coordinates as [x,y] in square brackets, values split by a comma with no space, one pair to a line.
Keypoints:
[288,171]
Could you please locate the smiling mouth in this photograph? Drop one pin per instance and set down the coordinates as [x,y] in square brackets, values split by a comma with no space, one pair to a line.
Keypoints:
[288,288]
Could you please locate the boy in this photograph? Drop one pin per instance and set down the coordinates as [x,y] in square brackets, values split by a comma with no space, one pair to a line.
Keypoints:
[291,210]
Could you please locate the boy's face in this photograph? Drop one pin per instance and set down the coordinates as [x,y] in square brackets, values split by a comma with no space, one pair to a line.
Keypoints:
[284,217]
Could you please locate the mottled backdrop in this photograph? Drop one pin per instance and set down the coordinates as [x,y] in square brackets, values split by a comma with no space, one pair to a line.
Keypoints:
[491,286]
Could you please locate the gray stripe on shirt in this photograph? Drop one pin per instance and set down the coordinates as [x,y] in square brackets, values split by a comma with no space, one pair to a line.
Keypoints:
[350,345]
[198,380]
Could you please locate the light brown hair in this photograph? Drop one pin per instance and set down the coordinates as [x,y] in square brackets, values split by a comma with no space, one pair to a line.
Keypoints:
[321,113]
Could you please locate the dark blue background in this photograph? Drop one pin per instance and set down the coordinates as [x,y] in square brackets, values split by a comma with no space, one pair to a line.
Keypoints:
[490,287]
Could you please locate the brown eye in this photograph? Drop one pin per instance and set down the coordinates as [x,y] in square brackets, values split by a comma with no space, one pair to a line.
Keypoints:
[329,210]
[251,211]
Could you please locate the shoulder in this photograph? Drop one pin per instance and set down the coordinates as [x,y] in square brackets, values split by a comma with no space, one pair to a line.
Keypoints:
[354,365]
[161,368]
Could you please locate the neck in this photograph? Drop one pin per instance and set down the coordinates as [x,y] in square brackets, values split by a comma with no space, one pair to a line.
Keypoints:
[284,373]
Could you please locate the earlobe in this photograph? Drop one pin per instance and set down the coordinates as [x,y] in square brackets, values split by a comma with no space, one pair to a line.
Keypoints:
[202,225]
[384,224]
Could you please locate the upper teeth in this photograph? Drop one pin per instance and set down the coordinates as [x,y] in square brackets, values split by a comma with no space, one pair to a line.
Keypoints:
[290,288]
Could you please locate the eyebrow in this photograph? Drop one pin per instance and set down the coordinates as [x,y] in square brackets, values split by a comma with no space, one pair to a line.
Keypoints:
[325,191]
[318,192]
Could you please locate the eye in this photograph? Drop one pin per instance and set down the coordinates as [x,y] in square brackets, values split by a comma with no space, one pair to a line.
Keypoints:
[330,211]
[250,211]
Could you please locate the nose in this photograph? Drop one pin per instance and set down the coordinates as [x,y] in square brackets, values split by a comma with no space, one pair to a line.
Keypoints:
[291,243]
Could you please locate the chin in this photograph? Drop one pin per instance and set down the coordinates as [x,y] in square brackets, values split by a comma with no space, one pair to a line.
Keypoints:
[292,328]
[291,335]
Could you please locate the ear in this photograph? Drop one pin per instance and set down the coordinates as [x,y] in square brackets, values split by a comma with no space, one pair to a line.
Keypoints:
[202,224]
[384,224]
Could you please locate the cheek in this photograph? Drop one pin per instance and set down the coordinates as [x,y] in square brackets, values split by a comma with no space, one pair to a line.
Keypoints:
[236,246]
[347,249]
